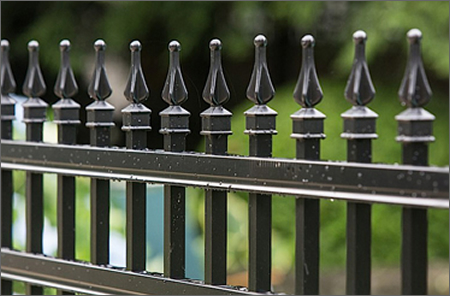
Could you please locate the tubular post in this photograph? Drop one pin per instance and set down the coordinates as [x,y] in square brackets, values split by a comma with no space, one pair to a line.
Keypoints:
[136,124]
[66,116]
[174,127]
[307,126]
[34,115]
[260,126]
[100,121]
[359,131]
[8,86]
[415,131]
[216,126]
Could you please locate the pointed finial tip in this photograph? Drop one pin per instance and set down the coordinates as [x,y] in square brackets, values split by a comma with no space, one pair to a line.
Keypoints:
[308,41]
[260,40]
[359,37]
[414,36]
[33,45]
[174,46]
[135,45]
[215,44]
[64,45]
[5,44]
[99,45]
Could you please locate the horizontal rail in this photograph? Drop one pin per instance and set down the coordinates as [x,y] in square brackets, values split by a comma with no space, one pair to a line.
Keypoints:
[91,279]
[370,183]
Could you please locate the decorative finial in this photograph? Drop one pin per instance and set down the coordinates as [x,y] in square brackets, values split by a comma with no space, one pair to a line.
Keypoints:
[359,90]
[99,88]
[34,85]
[174,91]
[216,91]
[414,90]
[260,89]
[66,85]
[7,77]
[136,90]
[307,91]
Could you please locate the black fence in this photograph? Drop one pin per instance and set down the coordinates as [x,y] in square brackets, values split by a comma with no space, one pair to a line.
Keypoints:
[413,185]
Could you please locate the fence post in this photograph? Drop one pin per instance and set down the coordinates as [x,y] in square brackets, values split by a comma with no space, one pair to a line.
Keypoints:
[307,129]
[34,115]
[136,124]
[216,126]
[8,85]
[415,126]
[260,126]
[359,131]
[99,121]
[174,127]
[66,116]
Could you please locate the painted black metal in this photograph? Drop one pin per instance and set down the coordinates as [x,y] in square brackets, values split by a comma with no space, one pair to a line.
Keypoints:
[87,278]
[66,116]
[174,127]
[414,90]
[359,130]
[260,126]
[136,124]
[34,115]
[307,130]
[8,85]
[99,121]
[216,126]
[373,183]
[414,132]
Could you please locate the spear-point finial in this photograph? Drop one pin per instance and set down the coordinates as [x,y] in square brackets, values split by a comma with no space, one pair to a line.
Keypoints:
[174,91]
[359,90]
[308,92]
[260,89]
[7,77]
[34,85]
[99,88]
[216,91]
[136,90]
[414,90]
[66,85]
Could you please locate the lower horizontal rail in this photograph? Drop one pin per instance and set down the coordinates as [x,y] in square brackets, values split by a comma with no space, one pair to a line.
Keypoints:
[92,279]
[368,183]
[48,284]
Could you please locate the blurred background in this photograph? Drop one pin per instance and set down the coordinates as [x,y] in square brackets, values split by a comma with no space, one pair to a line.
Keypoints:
[194,24]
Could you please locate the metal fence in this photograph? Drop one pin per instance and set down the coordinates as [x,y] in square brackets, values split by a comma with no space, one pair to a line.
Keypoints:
[413,185]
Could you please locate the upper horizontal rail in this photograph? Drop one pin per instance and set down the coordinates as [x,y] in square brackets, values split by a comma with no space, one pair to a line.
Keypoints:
[92,279]
[372,183]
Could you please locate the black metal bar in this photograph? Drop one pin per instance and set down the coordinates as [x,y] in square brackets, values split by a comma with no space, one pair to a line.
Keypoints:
[34,110]
[359,130]
[216,126]
[66,116]
[174,127]
[308,131]
[8,85]
[414,260]
[368,183]
[260,126]
[100,121]
[94,279]
[136,124]
[415,126]
[358,248]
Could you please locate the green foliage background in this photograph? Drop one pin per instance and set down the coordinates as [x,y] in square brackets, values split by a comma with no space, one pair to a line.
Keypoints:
[236,24]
